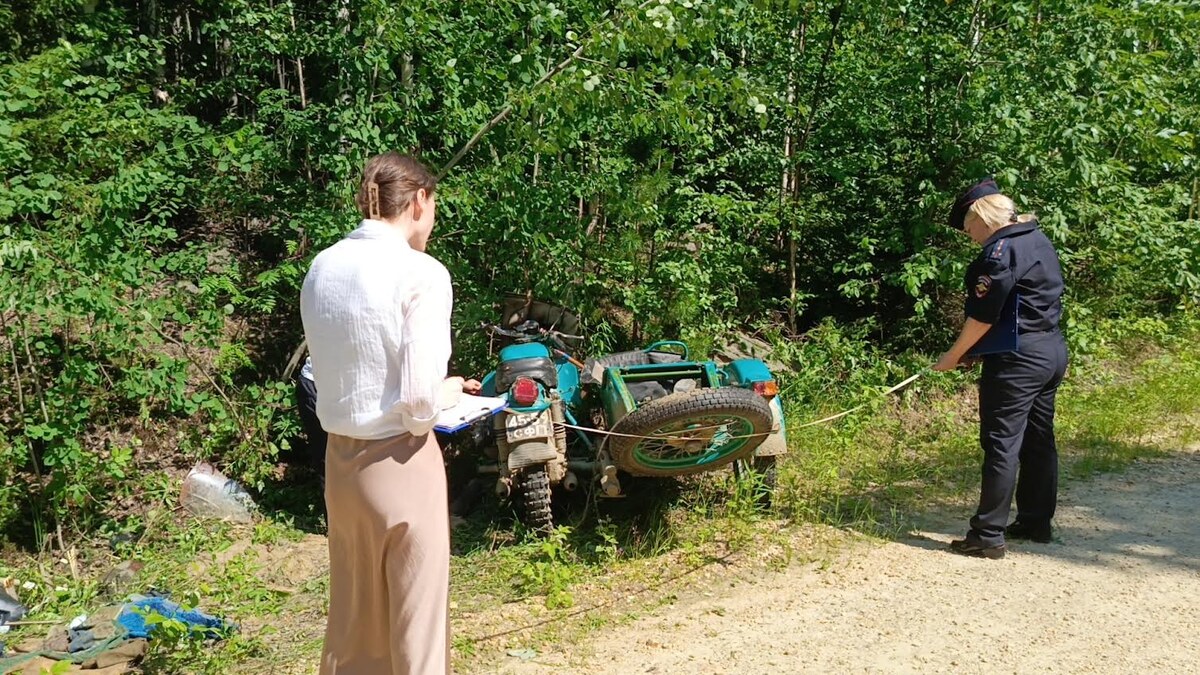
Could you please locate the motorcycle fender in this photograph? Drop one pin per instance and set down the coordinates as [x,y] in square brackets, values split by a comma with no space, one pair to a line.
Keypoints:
[745,372]
[776,443]
[530,453]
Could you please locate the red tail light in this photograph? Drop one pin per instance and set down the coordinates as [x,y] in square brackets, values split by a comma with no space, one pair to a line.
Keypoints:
[524,392]
[767,390]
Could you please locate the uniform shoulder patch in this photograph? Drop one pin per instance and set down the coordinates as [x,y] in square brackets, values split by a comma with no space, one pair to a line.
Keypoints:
[982,285]
[997,249]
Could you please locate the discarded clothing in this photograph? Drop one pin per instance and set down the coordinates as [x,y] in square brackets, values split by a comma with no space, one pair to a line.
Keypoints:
[134,618]
[113,653]
[110,641]
[81,639]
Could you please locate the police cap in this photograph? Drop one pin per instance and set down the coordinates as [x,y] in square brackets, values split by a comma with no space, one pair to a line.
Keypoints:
[983,188]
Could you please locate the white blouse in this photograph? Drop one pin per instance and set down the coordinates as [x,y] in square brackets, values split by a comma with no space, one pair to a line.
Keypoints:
[376,315]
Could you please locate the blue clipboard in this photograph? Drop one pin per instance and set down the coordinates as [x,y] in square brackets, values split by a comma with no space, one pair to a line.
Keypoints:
[1003,335]
[469,409]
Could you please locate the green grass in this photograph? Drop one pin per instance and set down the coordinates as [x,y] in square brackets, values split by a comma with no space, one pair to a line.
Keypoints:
[874,472]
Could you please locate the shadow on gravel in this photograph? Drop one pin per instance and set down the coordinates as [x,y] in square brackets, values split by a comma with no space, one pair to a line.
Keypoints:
[1139,520]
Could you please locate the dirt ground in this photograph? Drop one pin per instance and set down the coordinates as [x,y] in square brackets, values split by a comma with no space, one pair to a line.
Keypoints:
[1117,592]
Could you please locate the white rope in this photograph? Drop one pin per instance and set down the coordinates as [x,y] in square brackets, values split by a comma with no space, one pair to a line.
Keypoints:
[601,432]
[856,408]
[686,439]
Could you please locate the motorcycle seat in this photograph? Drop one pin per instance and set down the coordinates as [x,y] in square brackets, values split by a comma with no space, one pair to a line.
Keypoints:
[537,368]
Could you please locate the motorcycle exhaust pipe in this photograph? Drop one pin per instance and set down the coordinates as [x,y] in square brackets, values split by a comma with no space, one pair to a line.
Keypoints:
[570,482]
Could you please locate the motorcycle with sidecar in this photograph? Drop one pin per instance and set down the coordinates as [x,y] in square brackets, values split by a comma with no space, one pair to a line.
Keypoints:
[652,412]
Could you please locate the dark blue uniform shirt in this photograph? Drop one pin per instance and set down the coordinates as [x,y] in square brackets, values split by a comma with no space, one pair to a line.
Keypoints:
[1018,258]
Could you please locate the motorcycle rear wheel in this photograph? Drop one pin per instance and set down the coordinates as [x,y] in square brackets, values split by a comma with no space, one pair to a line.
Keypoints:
[533,503]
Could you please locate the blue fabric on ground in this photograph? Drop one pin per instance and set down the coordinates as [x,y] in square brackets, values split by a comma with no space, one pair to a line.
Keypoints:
[135,614]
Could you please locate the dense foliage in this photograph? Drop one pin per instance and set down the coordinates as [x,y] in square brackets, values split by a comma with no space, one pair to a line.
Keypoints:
[669,167]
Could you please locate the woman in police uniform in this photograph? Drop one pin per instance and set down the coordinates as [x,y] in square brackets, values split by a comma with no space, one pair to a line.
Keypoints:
[1015,279]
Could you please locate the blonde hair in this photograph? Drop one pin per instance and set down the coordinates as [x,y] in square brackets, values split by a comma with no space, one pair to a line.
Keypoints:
[997,211]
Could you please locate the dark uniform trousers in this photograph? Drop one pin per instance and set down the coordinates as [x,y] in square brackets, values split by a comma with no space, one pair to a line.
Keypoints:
[306,396]
[1016,431]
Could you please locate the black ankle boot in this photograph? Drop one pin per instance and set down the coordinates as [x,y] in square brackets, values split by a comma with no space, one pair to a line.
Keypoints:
[1037,532]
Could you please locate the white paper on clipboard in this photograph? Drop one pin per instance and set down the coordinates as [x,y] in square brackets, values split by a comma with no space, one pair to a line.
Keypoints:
[469,409]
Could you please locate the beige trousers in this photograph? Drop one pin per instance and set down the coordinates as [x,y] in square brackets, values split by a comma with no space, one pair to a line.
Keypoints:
[389,557]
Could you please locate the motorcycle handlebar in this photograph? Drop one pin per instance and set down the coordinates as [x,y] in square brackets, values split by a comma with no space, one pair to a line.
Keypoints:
[497,330]
[534,331]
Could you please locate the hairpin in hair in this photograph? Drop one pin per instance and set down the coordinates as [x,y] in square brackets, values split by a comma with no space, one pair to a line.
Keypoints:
[373,200]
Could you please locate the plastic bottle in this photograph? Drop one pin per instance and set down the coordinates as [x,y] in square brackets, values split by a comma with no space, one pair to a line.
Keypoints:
[207,492]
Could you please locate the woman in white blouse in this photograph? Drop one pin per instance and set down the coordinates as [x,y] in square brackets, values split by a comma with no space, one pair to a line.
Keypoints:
[376,314]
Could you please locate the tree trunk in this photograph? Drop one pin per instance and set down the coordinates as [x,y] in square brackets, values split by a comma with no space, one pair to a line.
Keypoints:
[1195,199]
[975,37]
[299,68]
[788,177]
